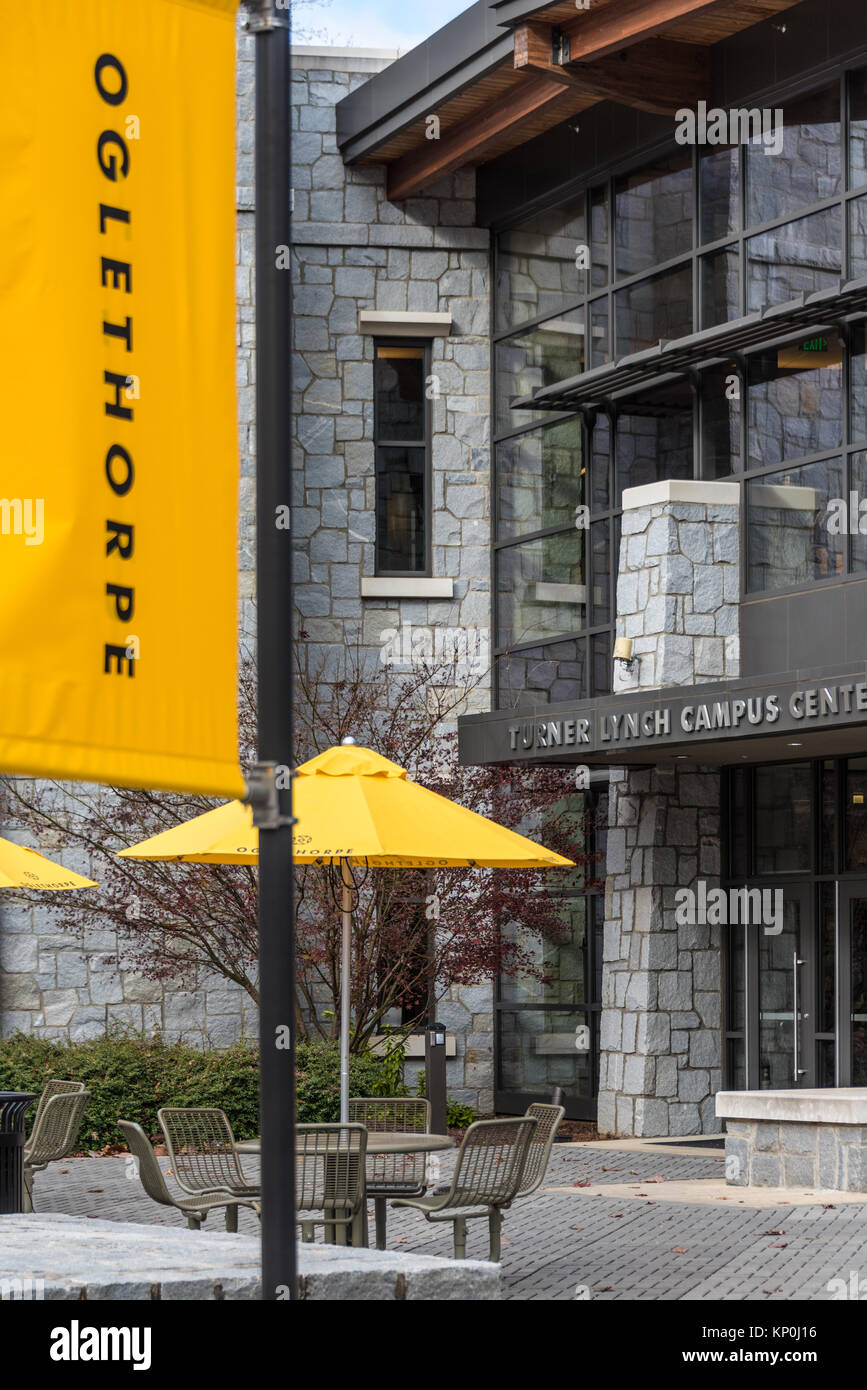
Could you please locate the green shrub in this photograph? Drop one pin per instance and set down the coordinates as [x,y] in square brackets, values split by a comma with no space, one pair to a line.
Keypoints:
[459,1116]
[317,1079]
[130,1078]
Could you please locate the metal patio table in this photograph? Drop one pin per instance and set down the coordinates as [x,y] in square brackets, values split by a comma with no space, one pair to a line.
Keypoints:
[380,1142]
[13,1107]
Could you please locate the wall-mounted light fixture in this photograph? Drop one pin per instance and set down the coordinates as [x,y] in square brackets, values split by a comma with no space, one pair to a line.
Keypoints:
[623,652]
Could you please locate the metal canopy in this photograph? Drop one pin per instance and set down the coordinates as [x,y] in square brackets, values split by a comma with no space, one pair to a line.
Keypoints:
[656,365]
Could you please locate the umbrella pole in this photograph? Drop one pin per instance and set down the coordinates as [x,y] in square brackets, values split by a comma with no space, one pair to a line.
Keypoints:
[345,976]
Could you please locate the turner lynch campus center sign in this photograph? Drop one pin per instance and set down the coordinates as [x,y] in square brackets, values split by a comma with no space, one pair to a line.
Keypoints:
[695,717]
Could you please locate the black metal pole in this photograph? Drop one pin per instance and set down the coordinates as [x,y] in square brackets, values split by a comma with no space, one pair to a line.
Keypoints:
[434,1053]
[270,23]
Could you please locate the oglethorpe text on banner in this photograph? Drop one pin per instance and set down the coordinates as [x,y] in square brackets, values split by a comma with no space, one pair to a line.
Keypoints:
[117,391]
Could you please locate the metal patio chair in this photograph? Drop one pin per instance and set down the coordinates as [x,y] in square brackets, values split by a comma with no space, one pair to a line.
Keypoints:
[54,1087]
[55,1127]
[201,1147]
[547,1119]
[329,1165]
[488,1176]
[195,1209]
[391,1175]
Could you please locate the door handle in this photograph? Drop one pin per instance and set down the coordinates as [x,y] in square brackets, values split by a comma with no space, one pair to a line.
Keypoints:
[796,1018]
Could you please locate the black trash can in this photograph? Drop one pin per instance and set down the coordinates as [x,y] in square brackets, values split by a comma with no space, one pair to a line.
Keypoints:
[13,1107]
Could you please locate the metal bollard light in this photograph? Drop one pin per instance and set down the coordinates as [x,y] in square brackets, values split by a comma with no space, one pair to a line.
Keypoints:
[435,1075]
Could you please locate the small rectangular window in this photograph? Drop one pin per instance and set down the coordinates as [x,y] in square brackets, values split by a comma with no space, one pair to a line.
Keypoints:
[402,437]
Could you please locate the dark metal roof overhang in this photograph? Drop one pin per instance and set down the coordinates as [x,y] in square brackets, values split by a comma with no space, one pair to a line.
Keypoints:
[657,365]
[784,718]
[453,58]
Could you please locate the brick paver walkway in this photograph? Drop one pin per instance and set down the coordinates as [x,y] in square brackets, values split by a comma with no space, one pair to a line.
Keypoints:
[567,1244]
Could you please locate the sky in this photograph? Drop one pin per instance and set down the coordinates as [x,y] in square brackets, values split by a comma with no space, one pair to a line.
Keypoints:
[375,23]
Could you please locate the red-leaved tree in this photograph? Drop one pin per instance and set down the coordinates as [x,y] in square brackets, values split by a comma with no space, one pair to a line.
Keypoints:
[415,933]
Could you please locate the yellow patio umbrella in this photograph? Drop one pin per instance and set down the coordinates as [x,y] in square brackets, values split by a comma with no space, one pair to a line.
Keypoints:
[27,868]
[353,806]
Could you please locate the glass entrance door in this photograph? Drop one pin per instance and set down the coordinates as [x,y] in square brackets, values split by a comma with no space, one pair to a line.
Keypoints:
[783,1050]
[796,998]
[852,992]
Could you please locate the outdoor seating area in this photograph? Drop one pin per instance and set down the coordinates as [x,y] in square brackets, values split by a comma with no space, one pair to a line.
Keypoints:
[382,1154]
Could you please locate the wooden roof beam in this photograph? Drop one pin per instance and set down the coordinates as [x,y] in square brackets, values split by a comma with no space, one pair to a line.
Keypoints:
[657,76]
[598,33]
[469,141]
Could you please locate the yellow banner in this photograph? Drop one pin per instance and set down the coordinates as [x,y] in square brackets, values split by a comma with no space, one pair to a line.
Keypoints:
[118,428]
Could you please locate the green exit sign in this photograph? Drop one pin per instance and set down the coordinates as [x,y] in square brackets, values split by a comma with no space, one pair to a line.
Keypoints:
[815,345]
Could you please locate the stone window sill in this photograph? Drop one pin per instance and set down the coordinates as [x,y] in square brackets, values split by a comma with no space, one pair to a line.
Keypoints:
[386,587]
[395,323]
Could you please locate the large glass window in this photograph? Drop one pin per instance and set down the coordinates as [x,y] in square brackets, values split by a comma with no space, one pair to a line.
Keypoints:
[806,169]
[783,818]
[689,240]
[401,435]
[720,283]
[858,128]
[719,191]
[654,438]
[541,478]
[795,400]
[541,266]
[539,357]
[790,536]
[653,214]
[652,310]
[547,1025]
[721,392]
[541,588]
[795,258]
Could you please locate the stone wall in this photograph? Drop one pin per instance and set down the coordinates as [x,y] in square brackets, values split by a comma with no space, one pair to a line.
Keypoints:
[830,1157]
[661,1038]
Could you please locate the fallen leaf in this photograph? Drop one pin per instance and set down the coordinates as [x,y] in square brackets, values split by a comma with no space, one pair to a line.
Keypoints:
[641,1194]
[63,1170]
[779,1245]
[608,1288]
[828,1206]
[654,1179]
[576,1228]
[96,1189]
[679,1250]
[603,1169]
[772,1233]
[585,1182]
[770,1291]
[616,1214]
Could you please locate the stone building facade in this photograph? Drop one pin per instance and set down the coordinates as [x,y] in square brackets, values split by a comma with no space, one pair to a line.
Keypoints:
[353,252]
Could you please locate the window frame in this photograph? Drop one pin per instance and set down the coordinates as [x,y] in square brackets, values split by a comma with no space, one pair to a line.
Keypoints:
[425,443]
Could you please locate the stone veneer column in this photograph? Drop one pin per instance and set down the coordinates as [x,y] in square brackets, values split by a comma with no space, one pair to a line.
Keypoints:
[661,1027]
